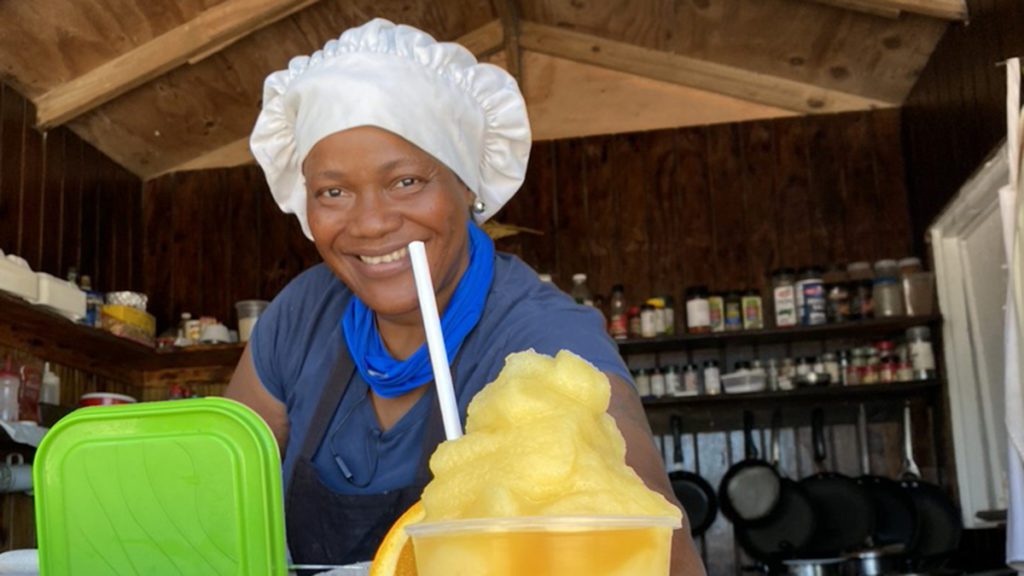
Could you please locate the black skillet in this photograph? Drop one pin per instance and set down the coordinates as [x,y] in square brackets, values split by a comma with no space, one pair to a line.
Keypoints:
[845,512]
[789,528]
[940,521]
[896,521]
[693,492]
[749,491]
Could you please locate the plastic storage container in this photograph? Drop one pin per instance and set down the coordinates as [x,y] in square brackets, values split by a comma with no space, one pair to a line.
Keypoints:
[160,488]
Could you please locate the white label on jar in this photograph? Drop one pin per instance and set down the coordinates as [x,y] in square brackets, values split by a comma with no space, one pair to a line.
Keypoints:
[647,329]
[698,313]
[657,384]
[921,355]
[785,306]
[712,382]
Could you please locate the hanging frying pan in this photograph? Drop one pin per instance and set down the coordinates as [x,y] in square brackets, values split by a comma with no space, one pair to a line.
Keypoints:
[693,492]
[940,522]
[789,528]
[749,491]
[845,512]
[895,513]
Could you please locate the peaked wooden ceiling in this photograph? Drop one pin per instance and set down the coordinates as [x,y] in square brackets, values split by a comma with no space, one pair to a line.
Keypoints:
[161,85]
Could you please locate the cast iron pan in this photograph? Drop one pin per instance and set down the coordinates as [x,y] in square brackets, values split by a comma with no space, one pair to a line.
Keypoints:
[896,521]
[845,512]
[693,492]
[749,491]
[939,519]
[789,528]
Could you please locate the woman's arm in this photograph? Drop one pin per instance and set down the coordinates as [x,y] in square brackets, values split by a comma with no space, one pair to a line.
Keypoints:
[643,457]
[245,387]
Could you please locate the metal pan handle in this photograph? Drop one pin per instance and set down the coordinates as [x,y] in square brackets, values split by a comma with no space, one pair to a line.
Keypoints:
[862,437]
[776,428]
[910,469]
[749,450]
[676,423]
[818,437]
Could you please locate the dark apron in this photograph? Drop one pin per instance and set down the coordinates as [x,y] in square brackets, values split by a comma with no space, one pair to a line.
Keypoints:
[328,528]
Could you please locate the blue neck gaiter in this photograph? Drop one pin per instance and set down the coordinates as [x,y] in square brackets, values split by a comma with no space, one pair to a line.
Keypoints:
[390,378]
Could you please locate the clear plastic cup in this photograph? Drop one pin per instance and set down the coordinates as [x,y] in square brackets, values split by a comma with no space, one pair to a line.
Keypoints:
[545,546]
[248,312]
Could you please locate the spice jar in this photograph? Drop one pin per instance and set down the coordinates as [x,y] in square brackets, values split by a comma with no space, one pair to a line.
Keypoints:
[670,316]
[838,308]
[753,312]
[784,297]
[698,315]
[634,321]
[861,300]
[658,385]
[772,373]
[647,326]
[733,312]
[787,374]
[643,383]
[887,269]
[810,298]
[844,367]
[922,356]
[659,315]
[888,297]
[716,310]
[860,271]
[712,378]
[618,324]
[673,384]
[831,366]
[691,379]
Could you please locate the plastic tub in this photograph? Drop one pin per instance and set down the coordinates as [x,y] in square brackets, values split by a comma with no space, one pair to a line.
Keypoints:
[104,399]
[248,312]
[545,546]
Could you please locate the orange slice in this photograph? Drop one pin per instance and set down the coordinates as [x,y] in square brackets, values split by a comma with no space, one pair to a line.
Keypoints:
[395,555]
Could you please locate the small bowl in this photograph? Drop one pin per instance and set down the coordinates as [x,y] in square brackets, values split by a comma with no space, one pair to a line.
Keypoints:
[104,399]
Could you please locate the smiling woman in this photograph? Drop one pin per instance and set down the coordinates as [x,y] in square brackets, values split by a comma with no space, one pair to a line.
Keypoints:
[383,138]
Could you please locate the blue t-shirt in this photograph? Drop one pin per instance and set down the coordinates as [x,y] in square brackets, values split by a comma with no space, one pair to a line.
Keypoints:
[295,346]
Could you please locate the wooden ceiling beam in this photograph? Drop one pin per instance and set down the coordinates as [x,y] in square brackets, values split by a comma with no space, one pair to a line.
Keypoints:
[702,74]
[953,10]
[508,14]
[483,41]
[214,29]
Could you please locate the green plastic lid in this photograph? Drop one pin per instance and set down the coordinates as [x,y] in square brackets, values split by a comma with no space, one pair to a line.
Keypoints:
[189,487]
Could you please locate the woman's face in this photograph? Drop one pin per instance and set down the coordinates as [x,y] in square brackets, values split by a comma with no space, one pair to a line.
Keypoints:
[369,193]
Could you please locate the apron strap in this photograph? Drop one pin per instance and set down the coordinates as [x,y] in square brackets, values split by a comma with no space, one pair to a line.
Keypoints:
[327,405]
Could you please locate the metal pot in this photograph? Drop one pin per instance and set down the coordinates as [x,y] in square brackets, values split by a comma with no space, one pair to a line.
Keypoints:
[814,567]
[876,562]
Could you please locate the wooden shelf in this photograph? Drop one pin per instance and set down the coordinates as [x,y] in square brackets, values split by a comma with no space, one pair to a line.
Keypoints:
[843,330]
[808,395]
[48,335]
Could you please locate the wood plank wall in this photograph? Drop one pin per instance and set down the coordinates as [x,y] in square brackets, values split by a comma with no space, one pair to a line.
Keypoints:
[64,204]
[956,114]
[719,205]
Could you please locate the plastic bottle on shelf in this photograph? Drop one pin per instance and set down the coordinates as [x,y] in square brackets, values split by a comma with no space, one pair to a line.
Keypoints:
[580,292]
[50,393]
[9,386]
[618,324]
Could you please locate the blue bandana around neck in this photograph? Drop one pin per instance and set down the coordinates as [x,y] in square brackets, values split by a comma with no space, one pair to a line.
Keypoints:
[390,378]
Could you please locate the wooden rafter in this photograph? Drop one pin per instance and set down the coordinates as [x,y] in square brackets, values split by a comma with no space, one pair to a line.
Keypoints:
[214,29]
[954,10]
[508,13]
[702,74]
[482,41]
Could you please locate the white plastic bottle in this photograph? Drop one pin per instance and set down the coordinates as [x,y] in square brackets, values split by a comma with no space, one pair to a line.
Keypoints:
[50,393]
[9,385]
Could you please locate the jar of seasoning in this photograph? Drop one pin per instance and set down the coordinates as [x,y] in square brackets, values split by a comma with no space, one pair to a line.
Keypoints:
[784,297]
[831,366]
[716,309]
[844,367]
[772,373]
[804,366]
[861,300]
[673,384]
[855,370]
[634,321]
[733,312]
[712,378]
[618,323]
[691,379]
[787,374]
[860,271]
[904,372]
[698,316]
[872,366]
[810,297]
[659,315]
[643,383]
[922,356]
[647,326]
[670,316]
[658,384]
[887,269]
[838,308]
[888,297]
[753,312]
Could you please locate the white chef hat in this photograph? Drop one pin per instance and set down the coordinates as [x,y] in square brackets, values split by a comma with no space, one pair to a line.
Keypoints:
[468,115]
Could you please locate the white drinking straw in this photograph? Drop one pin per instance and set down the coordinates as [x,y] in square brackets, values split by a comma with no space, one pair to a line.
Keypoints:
[435,341]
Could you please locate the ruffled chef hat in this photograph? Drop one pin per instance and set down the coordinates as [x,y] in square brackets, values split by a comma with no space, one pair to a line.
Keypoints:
[468,115]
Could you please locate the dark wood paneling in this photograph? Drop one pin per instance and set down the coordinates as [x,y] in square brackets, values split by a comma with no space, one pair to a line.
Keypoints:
[571,212]
[862,210]
[728,214]
[63,203]
[792,176]
[757,140]
[664,209]
[956,113]
[695,229]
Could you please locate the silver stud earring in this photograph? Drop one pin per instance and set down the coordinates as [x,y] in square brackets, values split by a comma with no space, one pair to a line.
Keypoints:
[479,206]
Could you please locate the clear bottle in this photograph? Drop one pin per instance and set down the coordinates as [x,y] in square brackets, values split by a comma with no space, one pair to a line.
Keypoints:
[618,324]
[712,378]
[658,383]
[580,293]
[673,383]
[691,379]
[643,383]
[50,392]
[10,383]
